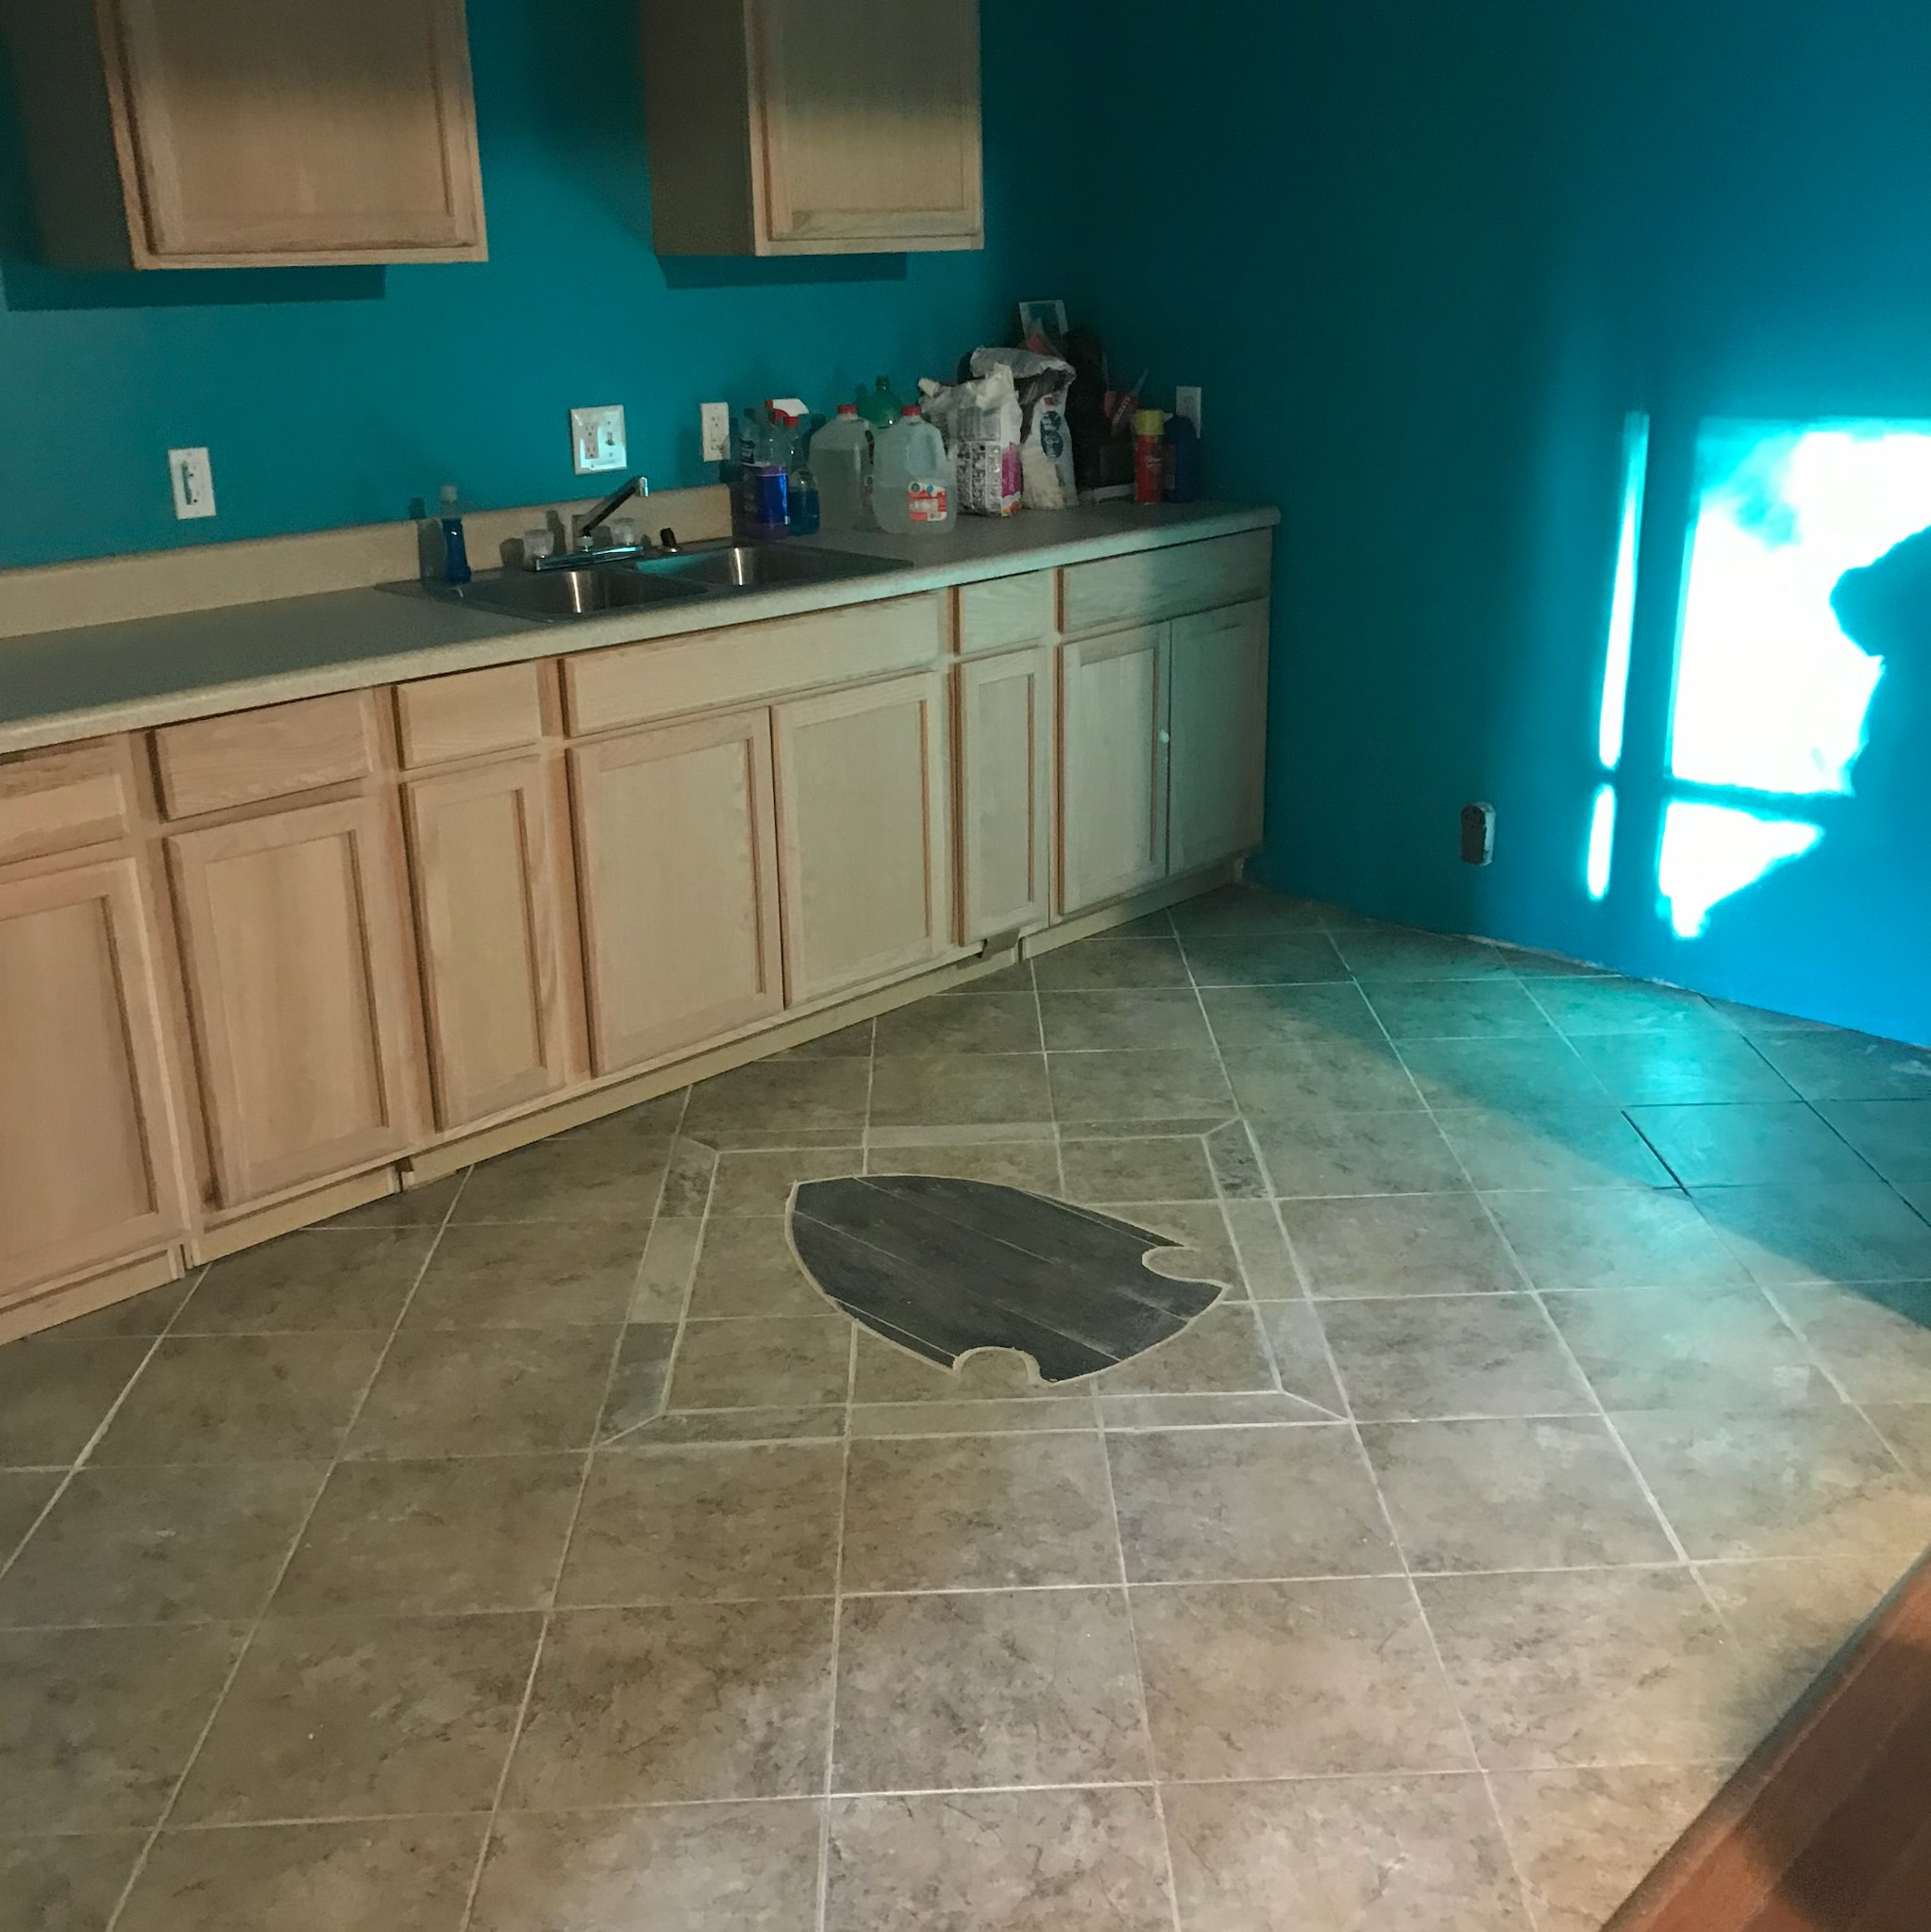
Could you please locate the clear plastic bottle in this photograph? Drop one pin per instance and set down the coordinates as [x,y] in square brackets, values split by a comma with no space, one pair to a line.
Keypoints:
[913,487]
[842,463]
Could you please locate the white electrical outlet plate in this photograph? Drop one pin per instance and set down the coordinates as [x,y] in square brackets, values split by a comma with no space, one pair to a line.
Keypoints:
[1186,402]
[192,478]
[597,440]
[715,419]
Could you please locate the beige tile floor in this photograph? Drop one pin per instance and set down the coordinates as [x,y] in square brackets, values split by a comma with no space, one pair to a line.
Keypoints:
[538,1552]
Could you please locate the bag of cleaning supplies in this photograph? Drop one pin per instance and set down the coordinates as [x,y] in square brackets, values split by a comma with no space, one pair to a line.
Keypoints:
[1046,444]
[981,422]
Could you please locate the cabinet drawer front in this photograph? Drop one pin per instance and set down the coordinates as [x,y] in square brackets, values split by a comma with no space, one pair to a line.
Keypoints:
[469,714]
[1006,611]
[1153,585]
[55,801]
[716,670]
[273,753]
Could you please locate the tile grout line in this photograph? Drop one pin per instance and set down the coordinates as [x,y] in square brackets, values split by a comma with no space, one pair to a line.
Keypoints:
[260,1617]
[1126,1598]
[549,1611]
[830,1778]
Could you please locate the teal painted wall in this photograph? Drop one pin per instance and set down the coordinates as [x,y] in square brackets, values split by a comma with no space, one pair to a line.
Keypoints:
[329,397]
[1423,259]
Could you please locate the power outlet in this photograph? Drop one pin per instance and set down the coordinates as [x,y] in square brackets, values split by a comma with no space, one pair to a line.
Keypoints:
[714,419]
[192,476]
[597,442]
[1186,402]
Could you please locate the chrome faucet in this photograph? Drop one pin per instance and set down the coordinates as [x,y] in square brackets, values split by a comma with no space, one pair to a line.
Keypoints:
[583,549]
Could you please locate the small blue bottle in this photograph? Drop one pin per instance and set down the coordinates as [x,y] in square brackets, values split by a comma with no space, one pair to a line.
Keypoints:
[455,545]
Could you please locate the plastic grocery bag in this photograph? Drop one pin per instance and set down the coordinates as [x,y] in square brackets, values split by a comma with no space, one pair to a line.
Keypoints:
[980,421]
[1046,444]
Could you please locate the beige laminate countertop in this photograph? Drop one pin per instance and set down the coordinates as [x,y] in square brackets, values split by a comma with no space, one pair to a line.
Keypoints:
[58,685]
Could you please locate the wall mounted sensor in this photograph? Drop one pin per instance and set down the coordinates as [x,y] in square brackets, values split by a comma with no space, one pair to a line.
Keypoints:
[1478,834]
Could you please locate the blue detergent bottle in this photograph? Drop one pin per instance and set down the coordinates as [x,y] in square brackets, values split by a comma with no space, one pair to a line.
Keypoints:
[455,545]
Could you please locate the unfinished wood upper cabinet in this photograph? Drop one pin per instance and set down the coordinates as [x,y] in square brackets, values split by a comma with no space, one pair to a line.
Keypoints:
[301,992]
[813,127]
[863,834]
[678,859]
[237,133]
[1220,711]
[90,1160]
[1005,719]
[490,860]
[1112,761]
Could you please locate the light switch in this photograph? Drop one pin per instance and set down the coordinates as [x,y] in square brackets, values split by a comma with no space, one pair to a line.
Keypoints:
[597,440]
[192,478]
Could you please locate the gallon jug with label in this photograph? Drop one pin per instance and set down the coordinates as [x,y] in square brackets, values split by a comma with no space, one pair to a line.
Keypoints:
[842,463]
[911,478]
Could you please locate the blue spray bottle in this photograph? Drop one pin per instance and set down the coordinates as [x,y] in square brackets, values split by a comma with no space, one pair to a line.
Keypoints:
[455,545]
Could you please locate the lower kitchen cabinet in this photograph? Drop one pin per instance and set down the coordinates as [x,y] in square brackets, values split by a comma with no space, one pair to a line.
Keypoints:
[678,857]
[90,1156]
[1219,732]
[1113,766]
[301,992]
[1005,719]
[490,861]
[863,832]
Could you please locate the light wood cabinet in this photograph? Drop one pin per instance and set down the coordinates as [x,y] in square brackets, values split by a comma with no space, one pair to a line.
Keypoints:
[863,835]
[226,133]
[301,992]
[90,1153]
[1219,732]
[1004,720]
[1113,761]
[490,861]
[676,852]
[813,127]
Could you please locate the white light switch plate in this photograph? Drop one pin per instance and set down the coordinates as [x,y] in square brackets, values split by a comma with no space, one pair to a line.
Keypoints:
[191,476]
[597,440]
[714,418]
[1186,402]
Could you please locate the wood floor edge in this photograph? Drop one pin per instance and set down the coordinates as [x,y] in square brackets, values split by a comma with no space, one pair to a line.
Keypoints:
[1690,1890]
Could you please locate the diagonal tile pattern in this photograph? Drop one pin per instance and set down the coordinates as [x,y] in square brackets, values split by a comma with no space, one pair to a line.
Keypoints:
[535,1551]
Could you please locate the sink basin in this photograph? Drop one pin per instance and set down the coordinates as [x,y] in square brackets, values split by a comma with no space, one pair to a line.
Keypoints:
[569,592]
[761,566]
[702,570]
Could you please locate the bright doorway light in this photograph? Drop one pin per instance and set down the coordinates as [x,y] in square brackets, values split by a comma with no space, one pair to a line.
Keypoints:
[1635,469]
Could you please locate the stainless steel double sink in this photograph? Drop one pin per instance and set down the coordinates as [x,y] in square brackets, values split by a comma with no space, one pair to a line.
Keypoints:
[594,587]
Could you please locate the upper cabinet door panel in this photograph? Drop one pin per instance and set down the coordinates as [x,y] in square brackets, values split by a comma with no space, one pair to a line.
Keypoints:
[285,130]
[869,123]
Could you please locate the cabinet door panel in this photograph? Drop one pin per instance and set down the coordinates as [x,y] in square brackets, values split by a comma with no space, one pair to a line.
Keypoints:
[1219,733]
[870,120]
[863,830]
[1005,791]
[491,872]
[278,128]
[301,991]
[679,869]
[90,1163]
[1112,767]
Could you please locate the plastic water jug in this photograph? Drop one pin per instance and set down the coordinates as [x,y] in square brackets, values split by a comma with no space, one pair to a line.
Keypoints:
[842,462]
[913,489]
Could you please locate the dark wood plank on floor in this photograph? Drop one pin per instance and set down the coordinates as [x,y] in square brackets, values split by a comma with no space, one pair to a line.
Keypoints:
[946,1267]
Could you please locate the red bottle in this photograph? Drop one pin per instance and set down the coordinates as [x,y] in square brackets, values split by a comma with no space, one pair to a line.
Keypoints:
[1149,456]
